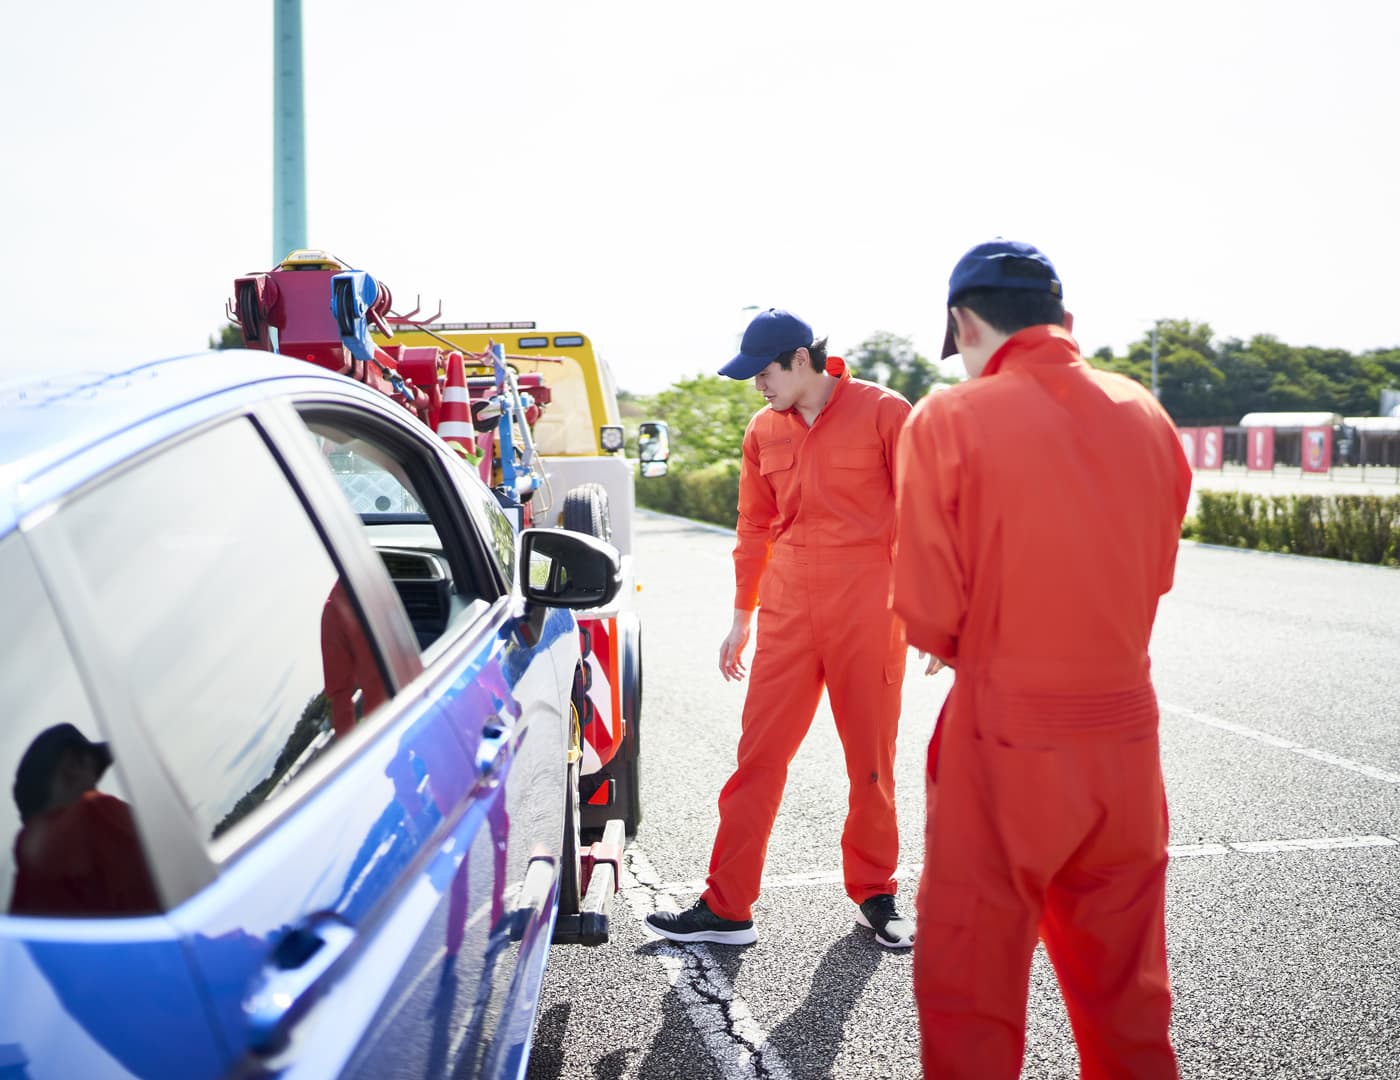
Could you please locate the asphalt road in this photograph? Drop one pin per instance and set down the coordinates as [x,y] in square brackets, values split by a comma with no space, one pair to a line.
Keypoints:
[1280,683]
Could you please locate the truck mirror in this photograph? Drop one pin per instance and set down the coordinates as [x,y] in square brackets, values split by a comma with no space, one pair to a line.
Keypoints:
[653,444]
[652,469]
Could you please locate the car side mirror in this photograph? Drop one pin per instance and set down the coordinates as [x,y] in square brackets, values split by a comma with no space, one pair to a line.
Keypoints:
[653,447]
[564,569]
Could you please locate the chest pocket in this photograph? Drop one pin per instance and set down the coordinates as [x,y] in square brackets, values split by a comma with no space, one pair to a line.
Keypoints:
[858,457]
[774,457]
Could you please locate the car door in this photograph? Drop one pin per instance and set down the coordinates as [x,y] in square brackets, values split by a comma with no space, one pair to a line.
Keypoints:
[308,790]
[89,969]
[507,702]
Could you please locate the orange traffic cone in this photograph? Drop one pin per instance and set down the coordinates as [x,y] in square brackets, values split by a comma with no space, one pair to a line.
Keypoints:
[455,423]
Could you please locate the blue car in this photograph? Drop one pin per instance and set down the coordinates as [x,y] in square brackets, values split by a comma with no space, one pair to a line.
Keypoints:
[290,724]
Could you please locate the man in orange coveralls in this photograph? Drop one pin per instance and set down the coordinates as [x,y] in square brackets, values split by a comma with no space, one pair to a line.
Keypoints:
[816,525]
[1040,507]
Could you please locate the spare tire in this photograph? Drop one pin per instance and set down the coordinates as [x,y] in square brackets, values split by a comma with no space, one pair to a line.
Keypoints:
[586,511]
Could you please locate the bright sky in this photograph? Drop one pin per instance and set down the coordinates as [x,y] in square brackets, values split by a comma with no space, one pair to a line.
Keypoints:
[643,172]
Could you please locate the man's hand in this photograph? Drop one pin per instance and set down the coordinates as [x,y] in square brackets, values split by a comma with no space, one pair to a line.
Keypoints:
[731,650]
[935,665]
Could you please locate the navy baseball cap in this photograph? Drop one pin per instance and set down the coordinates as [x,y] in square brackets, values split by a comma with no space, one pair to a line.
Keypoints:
[770,334]
[36,767]
[999,264]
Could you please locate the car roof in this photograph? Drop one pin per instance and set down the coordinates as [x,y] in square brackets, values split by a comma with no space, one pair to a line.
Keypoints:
[51,418]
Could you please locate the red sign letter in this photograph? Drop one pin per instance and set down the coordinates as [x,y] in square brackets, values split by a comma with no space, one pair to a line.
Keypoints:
[1191,445]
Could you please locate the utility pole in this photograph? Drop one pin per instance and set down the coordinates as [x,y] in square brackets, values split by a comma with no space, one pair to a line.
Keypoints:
[288,132]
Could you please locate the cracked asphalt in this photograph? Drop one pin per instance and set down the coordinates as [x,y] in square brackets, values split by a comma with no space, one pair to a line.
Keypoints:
[1280,681]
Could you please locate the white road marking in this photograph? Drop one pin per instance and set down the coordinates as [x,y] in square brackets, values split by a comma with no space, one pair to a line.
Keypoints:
[786,881]
[1321,843]
[736,1041]
[1196,851]
[912,871]
[1327,758]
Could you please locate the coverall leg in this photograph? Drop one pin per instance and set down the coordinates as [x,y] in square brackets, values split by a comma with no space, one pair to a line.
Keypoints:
[820,623]
[785,685]
[972,954]
[1104,924]
[1065,834]
[863,652]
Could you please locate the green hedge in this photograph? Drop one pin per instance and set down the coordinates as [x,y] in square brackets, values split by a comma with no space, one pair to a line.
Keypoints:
[1357,528]
[708,494]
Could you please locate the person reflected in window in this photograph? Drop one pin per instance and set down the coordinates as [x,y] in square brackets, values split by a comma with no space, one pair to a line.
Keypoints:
[77,851]
[348,662]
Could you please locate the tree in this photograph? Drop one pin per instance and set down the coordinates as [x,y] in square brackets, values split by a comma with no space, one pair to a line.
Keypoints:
[890,360]
[1202,381]
[230,336]
[707,415]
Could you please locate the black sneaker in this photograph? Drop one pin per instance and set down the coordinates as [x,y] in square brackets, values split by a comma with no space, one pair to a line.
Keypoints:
[701,924]
[892,930]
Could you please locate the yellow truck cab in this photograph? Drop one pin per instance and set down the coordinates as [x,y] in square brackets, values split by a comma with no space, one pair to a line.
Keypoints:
[589,486]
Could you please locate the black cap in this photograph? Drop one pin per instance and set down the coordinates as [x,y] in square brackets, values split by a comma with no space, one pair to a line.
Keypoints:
[36,767]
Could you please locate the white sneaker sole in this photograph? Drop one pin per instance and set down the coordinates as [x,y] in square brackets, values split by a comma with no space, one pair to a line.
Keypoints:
[713,937]
[906,942]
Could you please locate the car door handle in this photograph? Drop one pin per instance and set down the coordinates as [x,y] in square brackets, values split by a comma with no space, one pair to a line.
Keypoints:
[491,750]
[294,977]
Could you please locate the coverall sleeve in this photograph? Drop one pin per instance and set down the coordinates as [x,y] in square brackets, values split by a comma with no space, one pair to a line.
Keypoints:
[930,586]
[758,508]
[890,418]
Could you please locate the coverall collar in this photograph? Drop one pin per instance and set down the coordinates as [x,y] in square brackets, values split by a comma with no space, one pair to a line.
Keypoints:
[1033,345]
[836,368]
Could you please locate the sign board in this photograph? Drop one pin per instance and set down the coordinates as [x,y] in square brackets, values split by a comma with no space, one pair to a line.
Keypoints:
[1317,449]
[1259,451]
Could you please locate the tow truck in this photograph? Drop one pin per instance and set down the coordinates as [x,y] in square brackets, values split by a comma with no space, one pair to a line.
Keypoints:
[536,413]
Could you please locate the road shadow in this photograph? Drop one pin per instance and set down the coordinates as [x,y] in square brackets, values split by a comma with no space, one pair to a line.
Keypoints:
[809,1038]
[547,1056]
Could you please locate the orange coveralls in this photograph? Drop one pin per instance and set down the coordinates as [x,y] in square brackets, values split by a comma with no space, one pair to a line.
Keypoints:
[815,531]
[1039,516]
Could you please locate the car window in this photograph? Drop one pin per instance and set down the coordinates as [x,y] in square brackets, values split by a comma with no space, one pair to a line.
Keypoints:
[493,525]
[373,482]
[413,516]
[68,843]
[243,649]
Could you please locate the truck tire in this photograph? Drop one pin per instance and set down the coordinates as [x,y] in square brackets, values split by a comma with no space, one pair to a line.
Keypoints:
[586,511]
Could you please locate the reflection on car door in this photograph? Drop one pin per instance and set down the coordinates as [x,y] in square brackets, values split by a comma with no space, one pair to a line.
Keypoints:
[319,882]
[84,973]
[477,961]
